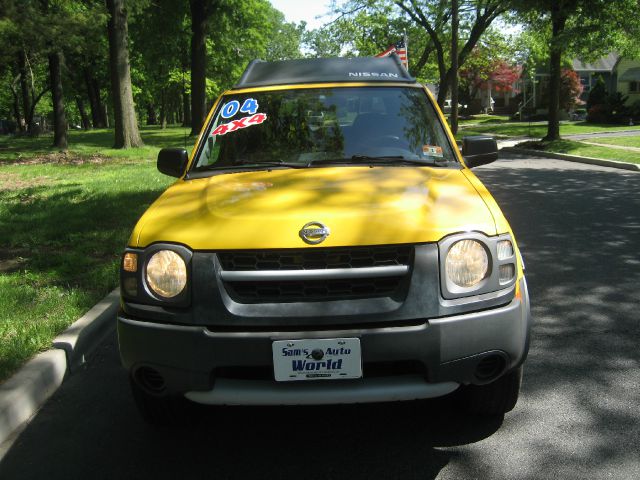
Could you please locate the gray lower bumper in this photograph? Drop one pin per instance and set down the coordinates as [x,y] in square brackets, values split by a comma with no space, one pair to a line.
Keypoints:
[450,349]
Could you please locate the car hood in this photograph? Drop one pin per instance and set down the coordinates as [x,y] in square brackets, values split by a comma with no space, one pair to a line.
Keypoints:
[360,206]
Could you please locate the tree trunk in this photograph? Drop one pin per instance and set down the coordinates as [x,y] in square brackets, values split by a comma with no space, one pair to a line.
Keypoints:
[105,115]
[453,118]
[16,110]
[152,116]
[198,65]
[163,110]
[94,100]
[558,20]
[57,98]
[186,110]
[422,61]
[446,76]
[24,90]
[102,108]
[84,118]
[126,126]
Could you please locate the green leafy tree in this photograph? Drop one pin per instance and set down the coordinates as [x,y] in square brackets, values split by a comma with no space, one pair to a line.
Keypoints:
[495,59]
[429,23]
[587,27]
[38,62]
[160,61]
[283,38]
[27,57]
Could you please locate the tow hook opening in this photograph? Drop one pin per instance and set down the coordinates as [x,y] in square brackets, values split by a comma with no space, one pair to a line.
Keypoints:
[490,367]
[150,380]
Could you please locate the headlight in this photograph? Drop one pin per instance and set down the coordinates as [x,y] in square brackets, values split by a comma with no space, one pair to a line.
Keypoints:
[467,263]
[166,273]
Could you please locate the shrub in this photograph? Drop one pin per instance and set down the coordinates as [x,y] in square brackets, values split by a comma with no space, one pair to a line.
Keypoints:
[597,94]
[634,110]
[570,89]
[598,114]
[619,112]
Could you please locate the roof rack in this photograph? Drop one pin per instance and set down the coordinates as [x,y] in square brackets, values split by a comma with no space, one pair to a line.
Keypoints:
[318,70]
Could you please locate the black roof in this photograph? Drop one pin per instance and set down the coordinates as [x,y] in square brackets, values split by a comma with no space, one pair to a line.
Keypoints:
[311,70]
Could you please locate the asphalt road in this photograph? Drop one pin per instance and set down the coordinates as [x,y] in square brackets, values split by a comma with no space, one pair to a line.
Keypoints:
[578,415]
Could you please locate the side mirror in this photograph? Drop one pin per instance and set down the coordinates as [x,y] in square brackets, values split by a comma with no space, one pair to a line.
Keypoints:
[479,150]
[172,161]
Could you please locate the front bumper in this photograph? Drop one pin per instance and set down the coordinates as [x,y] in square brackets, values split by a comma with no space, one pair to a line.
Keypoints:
[196,361]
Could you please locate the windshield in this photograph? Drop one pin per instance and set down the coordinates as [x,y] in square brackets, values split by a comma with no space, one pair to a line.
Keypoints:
[321,126]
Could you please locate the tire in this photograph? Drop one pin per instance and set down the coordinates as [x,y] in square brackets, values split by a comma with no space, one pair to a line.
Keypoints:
[495,398]
[162,411]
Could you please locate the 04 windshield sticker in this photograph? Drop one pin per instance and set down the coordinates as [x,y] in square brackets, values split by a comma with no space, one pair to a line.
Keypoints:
[232,108]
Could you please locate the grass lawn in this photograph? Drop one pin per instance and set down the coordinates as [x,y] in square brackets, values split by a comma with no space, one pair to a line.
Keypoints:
[579,148]
[94,142]
[622,141]
[539,129]
[481,119]
[64,221]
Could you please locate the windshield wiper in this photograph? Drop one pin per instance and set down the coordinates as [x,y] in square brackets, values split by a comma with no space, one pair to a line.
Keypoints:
[400,160]
[390,159]
[277,164]
[253,165]
[374,160]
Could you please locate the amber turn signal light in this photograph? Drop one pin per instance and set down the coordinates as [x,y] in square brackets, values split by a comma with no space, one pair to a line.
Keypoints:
[130,263]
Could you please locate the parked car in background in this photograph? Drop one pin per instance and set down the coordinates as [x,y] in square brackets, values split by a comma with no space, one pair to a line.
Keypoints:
[446,108]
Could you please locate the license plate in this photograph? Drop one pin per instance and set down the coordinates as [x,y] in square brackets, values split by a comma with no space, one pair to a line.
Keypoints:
[317,359]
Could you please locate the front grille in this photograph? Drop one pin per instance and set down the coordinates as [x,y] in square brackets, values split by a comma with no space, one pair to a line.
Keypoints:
[315,290]
[317,258]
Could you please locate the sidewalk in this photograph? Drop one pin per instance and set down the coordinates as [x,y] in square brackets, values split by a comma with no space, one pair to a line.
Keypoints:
[510,145]
[619,147]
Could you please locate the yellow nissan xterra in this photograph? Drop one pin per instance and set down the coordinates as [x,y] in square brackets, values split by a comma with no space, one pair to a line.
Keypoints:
[325,242]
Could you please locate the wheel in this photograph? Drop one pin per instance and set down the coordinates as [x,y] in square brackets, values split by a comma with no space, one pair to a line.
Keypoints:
[162,410]
[495,398]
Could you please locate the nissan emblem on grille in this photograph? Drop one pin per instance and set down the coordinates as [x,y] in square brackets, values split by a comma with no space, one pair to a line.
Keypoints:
[314,233]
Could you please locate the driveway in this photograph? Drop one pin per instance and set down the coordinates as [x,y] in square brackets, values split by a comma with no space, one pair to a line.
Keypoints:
[578,415]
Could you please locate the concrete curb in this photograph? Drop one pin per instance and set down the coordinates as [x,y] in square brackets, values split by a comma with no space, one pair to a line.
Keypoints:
[575,158]
[87,332]
[22,395]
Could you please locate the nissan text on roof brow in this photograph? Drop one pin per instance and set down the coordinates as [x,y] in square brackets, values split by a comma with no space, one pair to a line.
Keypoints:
[325,242]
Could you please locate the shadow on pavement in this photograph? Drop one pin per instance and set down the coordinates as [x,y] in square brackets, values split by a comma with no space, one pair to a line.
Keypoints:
[90,429]
[579,231]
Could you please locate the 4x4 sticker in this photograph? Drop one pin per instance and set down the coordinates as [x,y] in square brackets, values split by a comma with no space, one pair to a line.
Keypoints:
[250,106]
[243,122]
